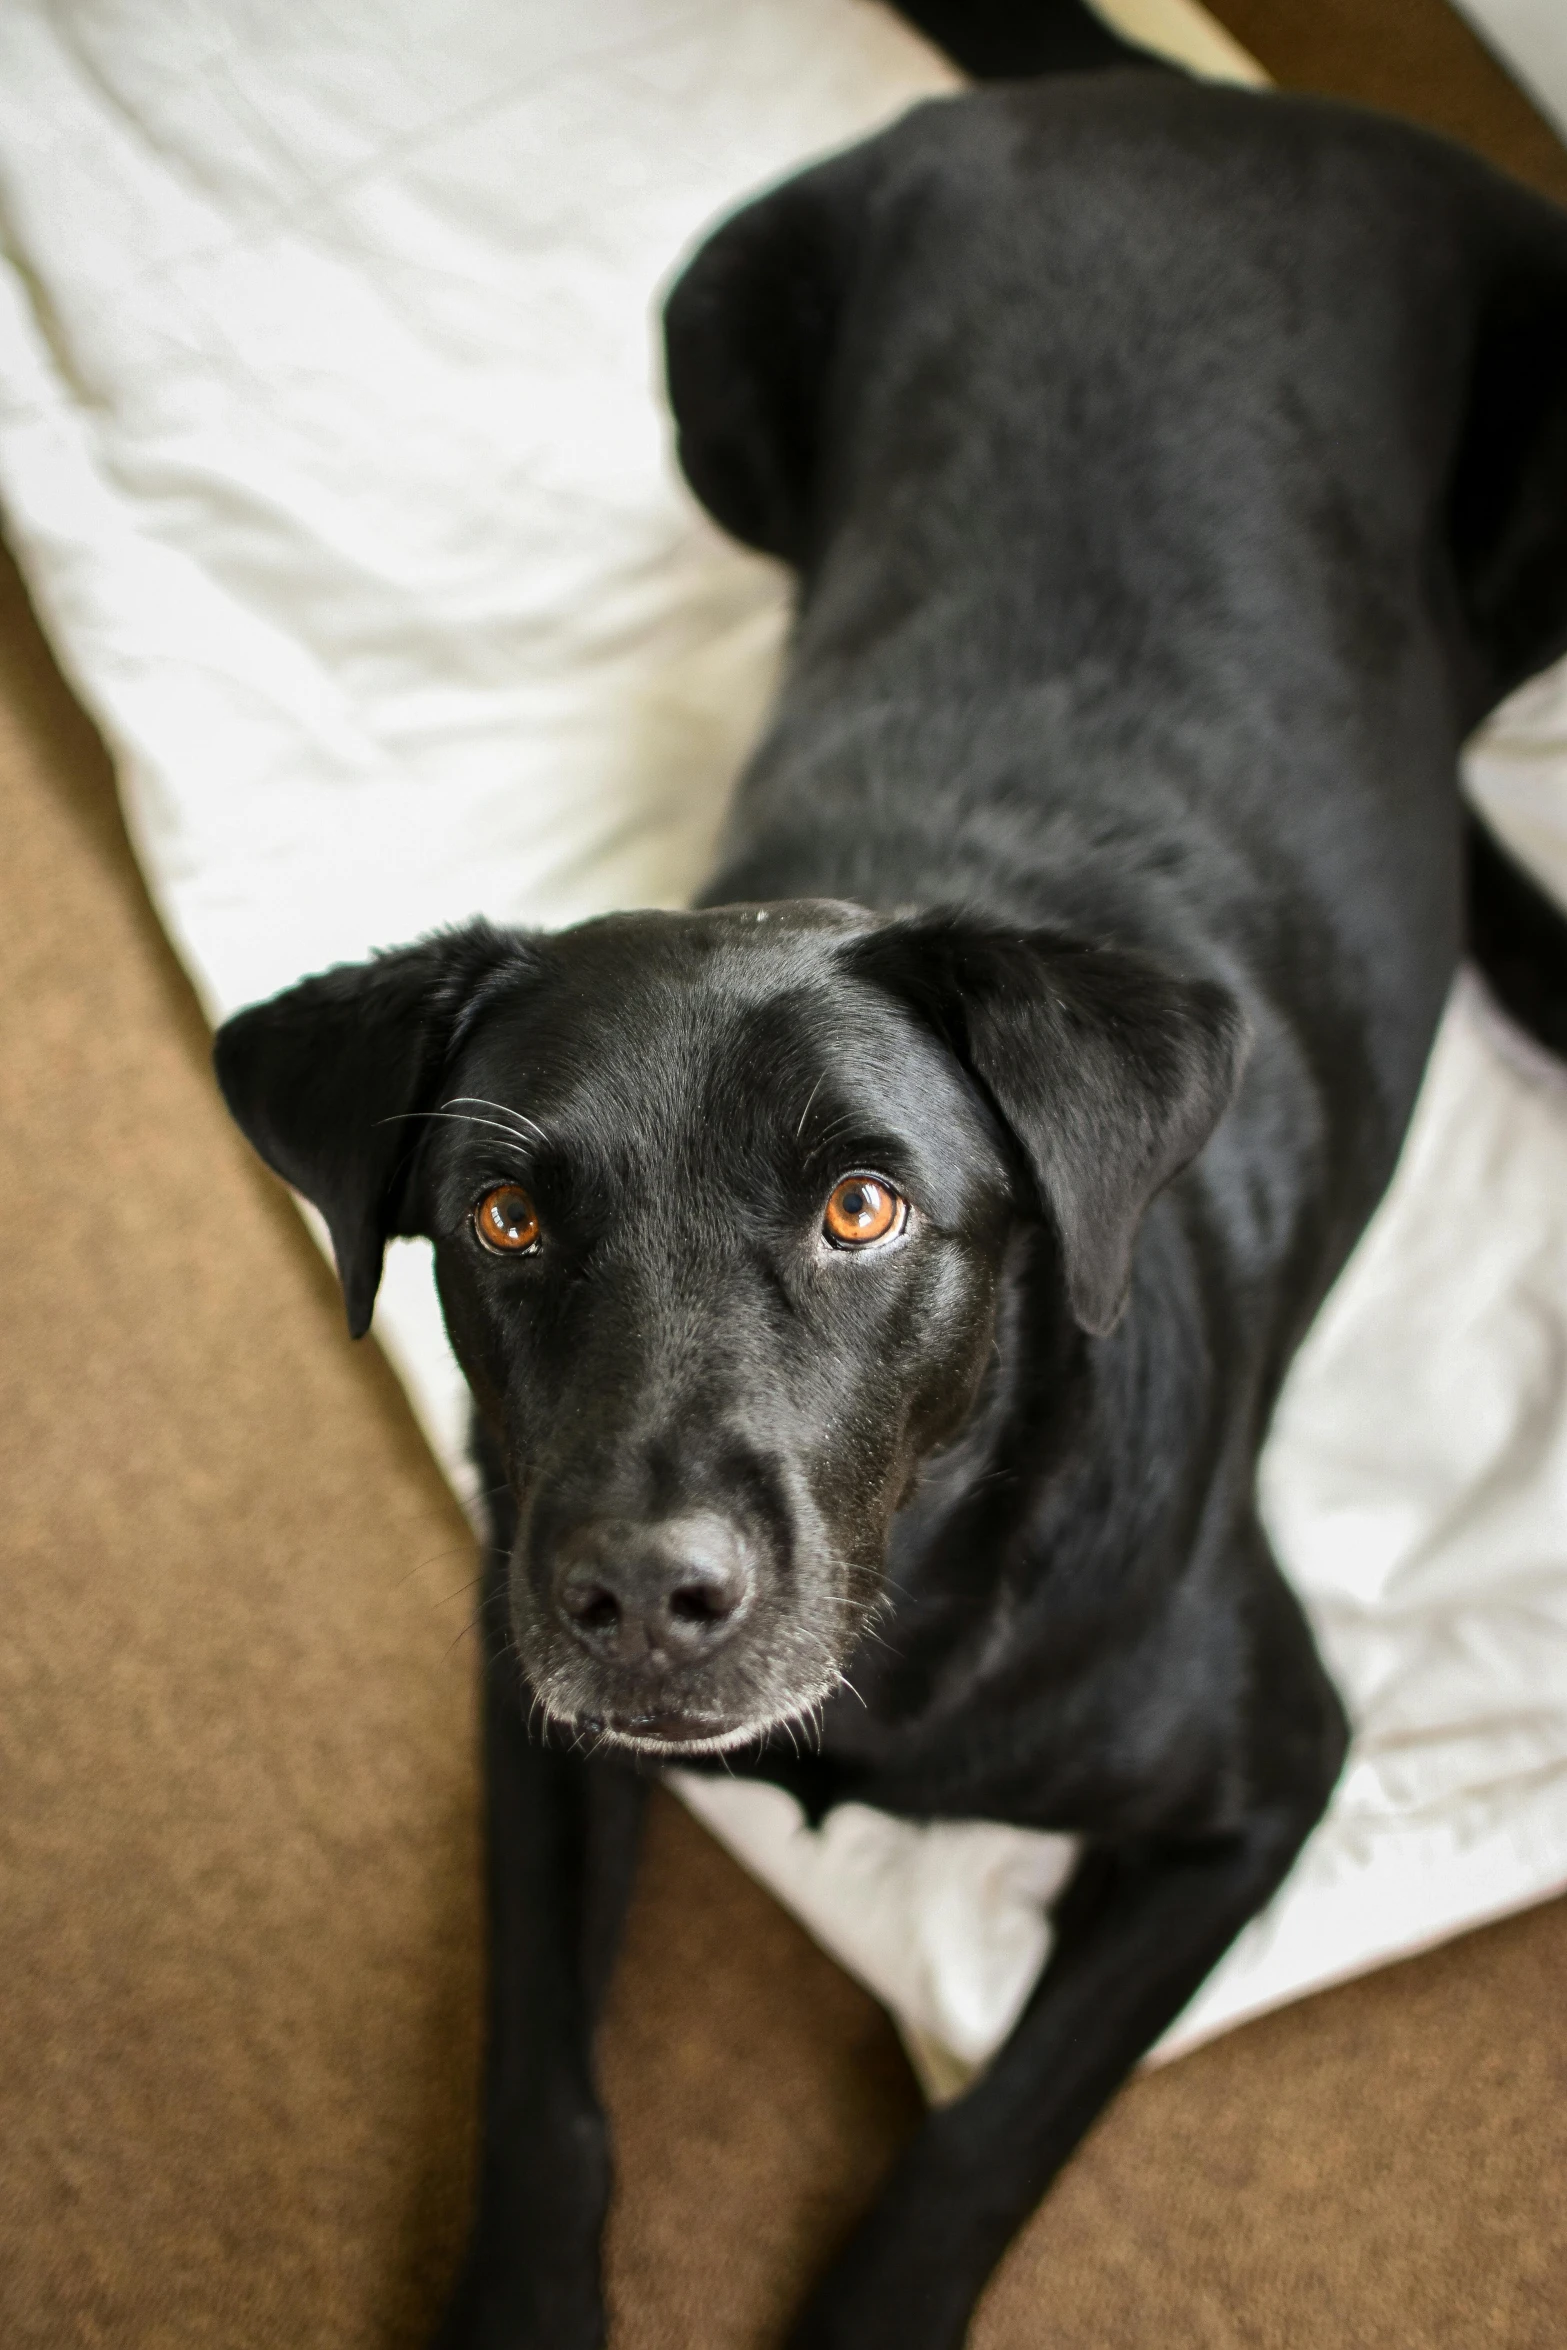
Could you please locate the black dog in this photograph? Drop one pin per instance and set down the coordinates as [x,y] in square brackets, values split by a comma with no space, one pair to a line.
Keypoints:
[918,1237]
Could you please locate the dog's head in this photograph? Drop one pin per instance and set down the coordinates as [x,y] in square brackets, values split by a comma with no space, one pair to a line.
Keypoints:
[720,1203]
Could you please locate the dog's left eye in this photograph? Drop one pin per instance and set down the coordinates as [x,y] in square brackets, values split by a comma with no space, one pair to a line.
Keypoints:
[507,1221]
[863,1209]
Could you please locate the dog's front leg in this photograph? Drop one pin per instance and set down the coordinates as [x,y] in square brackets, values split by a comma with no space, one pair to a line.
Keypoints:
[1136,1936]
[562,1834]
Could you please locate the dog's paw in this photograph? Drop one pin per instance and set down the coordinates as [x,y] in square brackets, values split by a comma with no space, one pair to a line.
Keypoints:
[497,2307]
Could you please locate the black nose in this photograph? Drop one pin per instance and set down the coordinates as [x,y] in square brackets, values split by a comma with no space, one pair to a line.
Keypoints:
[655,1596]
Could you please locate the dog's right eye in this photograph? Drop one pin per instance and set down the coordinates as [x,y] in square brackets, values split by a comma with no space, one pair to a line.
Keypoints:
[506,1221]
[862,1210]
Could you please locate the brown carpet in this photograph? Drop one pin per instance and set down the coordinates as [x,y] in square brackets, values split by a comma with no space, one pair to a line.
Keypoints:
[238,1914]
[1414,57]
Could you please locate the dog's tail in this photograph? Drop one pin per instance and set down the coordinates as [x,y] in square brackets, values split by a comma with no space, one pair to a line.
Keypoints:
[1518,936]
[1011,40]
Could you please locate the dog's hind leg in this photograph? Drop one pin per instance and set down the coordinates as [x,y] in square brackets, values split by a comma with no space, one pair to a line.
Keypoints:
[562,1832]
[1518,936]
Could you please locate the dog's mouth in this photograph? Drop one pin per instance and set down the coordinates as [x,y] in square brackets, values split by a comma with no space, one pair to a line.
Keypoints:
[665,1729]
[669,1733]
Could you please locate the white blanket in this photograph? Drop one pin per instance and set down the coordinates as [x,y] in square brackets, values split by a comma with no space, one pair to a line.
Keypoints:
[1530,37]
[331,445]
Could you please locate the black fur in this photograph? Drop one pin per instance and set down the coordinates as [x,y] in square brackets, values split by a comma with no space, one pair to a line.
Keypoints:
[1009,39]
[1174,475]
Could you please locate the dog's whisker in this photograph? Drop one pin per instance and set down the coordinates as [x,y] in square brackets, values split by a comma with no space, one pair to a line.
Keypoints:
[421,1566]
[809,1099]
[472,1584]
[835,1127]
[454,1118]
[480,1102]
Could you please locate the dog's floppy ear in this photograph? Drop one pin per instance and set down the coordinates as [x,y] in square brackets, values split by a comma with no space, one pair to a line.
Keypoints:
[1110,1071]
[749,333]
[326,1081]
[1508,503]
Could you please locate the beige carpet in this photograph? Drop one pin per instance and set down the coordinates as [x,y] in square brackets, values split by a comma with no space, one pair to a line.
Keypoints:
[238,1910]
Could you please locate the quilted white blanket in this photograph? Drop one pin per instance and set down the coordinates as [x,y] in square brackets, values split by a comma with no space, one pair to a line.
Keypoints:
[331,445]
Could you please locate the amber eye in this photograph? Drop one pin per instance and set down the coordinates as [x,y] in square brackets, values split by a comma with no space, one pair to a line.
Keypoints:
[862,1209]
[506,1220]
